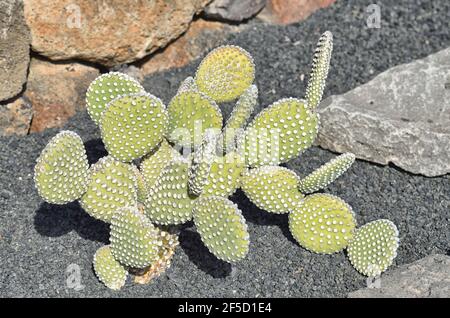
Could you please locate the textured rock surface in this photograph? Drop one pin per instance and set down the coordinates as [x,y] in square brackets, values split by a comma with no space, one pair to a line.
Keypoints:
[57,91]
[233,10]
[401,116]
[15,117]
[14,48]
[109,32]
[426,278]
[291,11]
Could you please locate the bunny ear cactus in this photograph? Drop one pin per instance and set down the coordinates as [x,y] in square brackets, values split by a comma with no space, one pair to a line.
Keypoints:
[170,189]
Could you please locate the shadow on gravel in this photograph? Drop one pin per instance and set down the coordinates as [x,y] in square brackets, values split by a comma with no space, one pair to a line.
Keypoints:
[57,220]
[199,254]
[95,150]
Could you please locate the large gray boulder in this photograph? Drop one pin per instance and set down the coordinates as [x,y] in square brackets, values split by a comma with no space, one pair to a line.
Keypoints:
[15,42]
[401,116]
[427,277]
[233,10]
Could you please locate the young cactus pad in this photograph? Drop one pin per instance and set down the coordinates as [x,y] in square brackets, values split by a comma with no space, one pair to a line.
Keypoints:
[322,223]
[107,87]
[109,271]
[319,72]
[190,114]
[222,228]
[169,201]
[272,188]
[61,173]
[326,174]
[113,185]
[133,125]
[374,247]
[134,240]
[188,85]
[225,73]
[279,133]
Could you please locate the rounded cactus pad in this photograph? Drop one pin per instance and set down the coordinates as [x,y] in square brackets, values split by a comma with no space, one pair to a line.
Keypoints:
[191,113]
[134,240]
[272,188]
[326,174]
[133,125]
[113,185]
[202,161]
[107,87]
[109,271]
[61,174]
[225,175]
[279,133]
[322,223]
[319,71]
[188,85]
[374,247]
[169,201]
[222,228]
[225,73]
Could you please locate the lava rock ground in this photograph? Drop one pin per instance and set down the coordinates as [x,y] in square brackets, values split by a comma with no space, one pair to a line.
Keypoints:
[39,242]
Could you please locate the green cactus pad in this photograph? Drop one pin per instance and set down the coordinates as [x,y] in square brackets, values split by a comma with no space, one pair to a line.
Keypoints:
[279,133]
[322,223]
[141,186]
[188,85]
[222,228]
[61,174]
[194,112]
[225,175]
[319,72]
[109,271]
[134,240]
[169,201]
[113,185]
[239,116]
[225,73]
[374,247]
[107,87]
[272,188]
[326,174]
[133,125]
[202,161]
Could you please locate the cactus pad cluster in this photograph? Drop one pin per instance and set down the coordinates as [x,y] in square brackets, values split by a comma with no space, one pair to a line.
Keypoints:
[170,165]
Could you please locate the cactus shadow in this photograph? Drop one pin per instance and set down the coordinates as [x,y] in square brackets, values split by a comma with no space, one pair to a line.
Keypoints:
[57,220]
[199,254]
[95,149]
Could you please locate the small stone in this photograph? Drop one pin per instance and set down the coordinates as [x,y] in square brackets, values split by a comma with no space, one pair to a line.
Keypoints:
[15,117]
[233,10]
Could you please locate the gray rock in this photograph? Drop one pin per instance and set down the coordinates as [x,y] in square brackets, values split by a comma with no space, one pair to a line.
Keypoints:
[15,42]
[401,116]
[426,278]
[233,10]
[15,117]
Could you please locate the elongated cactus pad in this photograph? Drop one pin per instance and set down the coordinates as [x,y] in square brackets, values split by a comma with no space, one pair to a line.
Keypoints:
[133,125]
[113,185]
[322,223]
[279,133]
[109,271]
[201,163]
[169,201]
[272,188]
[190,114]
[225,73]
[326,174]
[153,163]
[61,172]
[374,247]
[222,228]
[141,186]
[240,115]
[319,72]
[107,87]
[225,175]
[134,240]
[188,85]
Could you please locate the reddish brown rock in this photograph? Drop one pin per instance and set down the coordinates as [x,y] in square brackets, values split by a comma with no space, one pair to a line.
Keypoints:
[291,11]
[57,91]
[15,117]
[110,32]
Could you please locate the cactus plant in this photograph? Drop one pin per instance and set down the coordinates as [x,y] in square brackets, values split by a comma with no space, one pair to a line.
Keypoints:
[143,200]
